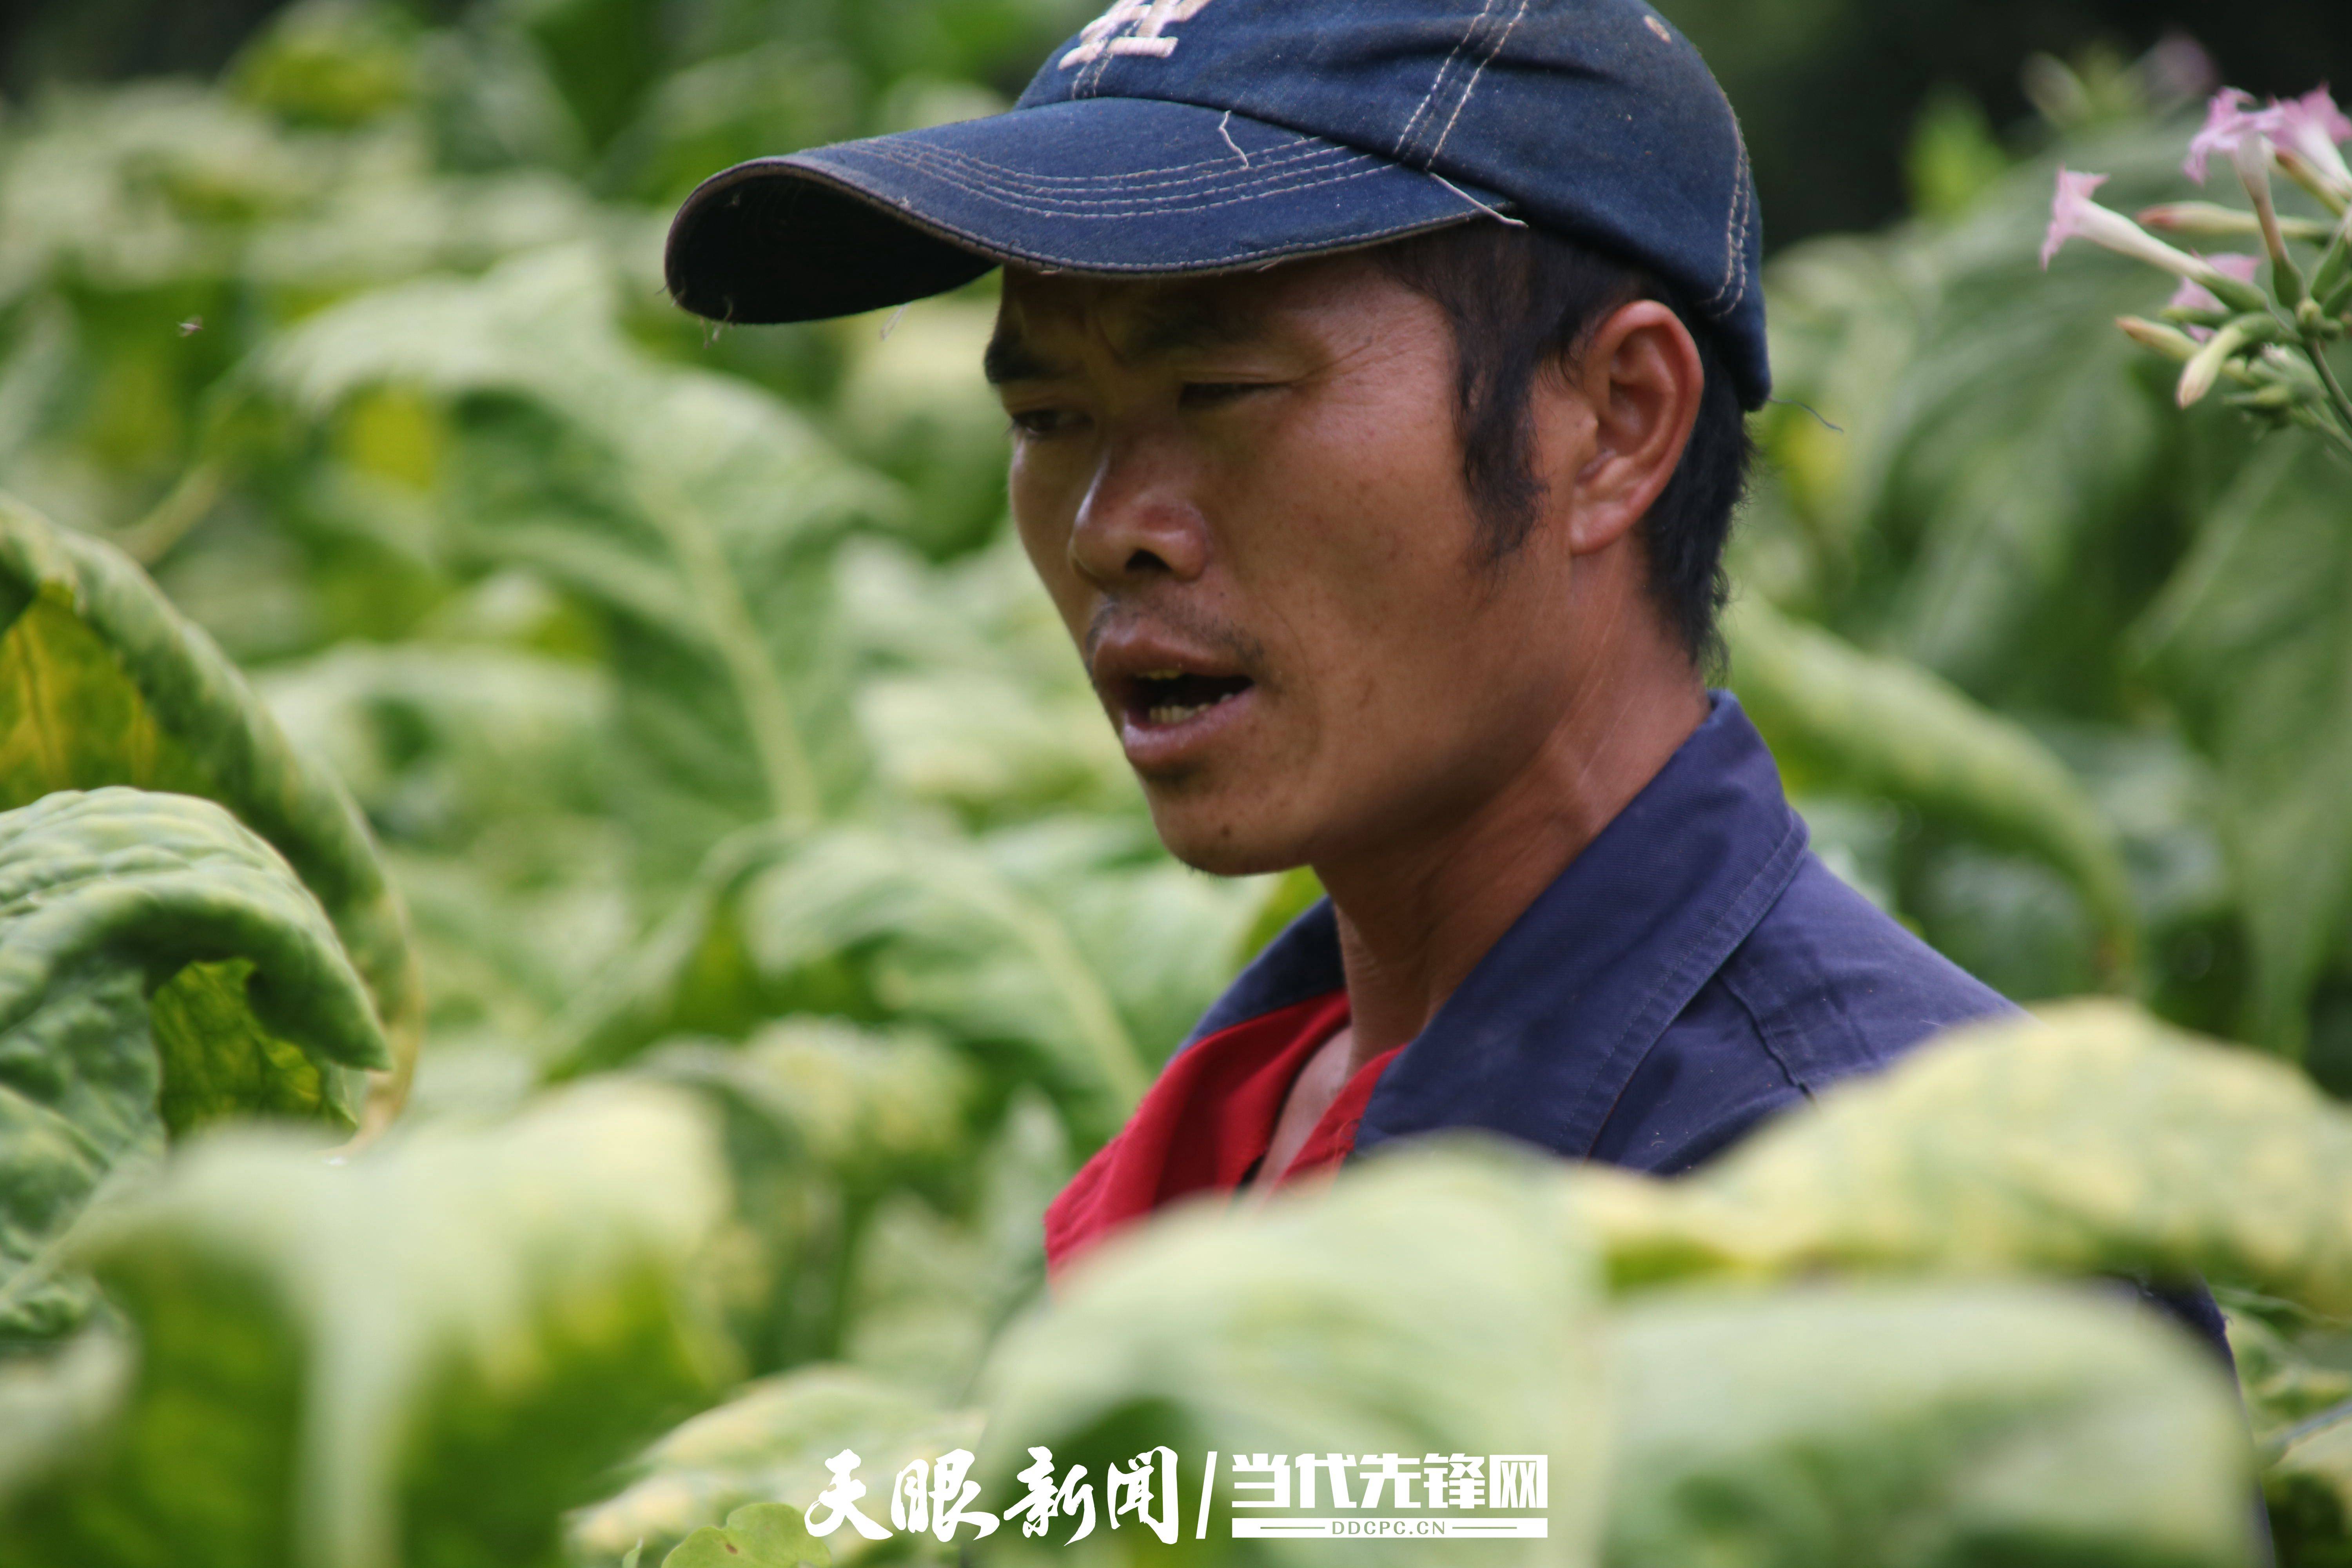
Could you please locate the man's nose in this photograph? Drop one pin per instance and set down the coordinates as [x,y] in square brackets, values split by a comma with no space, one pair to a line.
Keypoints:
[1138,521]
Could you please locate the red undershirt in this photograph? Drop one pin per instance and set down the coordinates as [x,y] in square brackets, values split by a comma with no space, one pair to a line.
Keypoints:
[1207,1120]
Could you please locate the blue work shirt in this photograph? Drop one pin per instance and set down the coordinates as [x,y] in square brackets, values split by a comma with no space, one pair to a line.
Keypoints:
[1694,970]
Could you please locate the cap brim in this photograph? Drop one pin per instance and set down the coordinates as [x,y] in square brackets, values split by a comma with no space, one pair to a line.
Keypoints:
[1113,186]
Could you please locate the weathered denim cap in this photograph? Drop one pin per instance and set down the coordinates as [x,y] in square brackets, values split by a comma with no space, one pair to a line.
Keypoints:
[1198,136]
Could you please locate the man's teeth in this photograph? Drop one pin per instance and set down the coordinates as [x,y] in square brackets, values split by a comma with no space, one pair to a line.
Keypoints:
[1166,713]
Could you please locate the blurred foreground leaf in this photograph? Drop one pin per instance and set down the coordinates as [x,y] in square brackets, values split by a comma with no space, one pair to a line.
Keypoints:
[160,968]
[421,1355]
[770,1441]
[757,1535]
[2093,1140]
[822,1120]
[1330,1323]
[1919,1427]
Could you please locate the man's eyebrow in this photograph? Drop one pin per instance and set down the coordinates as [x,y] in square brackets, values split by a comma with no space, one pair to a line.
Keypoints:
[1181,323]
[1009,357]
[1176,325]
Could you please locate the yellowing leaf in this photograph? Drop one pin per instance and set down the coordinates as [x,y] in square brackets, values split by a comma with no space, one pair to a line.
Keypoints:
[1886,1426]
[103,682]
[2094,1140]
[160,968]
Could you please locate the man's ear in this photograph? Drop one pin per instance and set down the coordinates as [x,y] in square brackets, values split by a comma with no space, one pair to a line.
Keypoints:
[1641,382]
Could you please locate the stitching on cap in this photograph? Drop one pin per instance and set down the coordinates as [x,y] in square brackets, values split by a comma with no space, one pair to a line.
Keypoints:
[1464,101]
[1732,217]
[1229,259]
[1221,171]
[1301,147]
[1218,171]
[1221,174]
[1738,221]
[1046,204]
[1404,137]
[921,160]
[1049,207]
[1736,226]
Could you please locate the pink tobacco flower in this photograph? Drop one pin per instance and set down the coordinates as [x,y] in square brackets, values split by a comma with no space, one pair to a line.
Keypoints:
[2194,296]
[2309,129]
[2073,214]
[2229,125]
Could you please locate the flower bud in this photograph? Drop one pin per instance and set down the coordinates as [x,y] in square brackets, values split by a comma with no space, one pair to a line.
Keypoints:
[2170,341]
[2211,220]
[2205,366]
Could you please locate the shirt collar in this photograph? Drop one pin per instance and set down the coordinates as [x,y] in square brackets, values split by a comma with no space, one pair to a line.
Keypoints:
[1539,1041]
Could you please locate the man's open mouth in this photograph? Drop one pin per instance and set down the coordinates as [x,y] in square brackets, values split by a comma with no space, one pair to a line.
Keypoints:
[1165,698]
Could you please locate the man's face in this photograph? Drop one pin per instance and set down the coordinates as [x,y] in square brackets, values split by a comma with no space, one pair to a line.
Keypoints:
[1245,497]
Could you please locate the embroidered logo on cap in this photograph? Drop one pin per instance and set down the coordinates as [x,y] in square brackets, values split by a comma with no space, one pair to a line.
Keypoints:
[1151,36]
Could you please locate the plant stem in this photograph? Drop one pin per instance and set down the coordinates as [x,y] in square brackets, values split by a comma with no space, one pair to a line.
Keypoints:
[2311,419]
[2316,349]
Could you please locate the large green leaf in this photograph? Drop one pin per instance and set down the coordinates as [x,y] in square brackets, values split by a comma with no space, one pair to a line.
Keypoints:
[822,1120]
[1847,314]
[1428,1303]
[102,682]
[52,1403]
[440,741]
[421,1354]
[968,691]
[2034,446]
[2293,1370]
[1061,948]
[757,1535]
[2254,640]
[1919,1427]
[871,1111]
[1989,483]
[486,769]
[2095,1139]
[1839,718]
[691,512]
[160,968]
[2309,1488]
[914,405]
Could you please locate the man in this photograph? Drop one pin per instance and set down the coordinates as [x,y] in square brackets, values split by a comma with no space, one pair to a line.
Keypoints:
[1376,373]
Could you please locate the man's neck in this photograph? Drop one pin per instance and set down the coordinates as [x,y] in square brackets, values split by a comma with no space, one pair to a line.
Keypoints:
[1416,915]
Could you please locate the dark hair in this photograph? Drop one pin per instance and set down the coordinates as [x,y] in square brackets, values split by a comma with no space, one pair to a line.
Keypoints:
[1519,298]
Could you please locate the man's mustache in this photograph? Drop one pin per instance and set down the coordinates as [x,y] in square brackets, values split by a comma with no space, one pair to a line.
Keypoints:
[1216,638]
